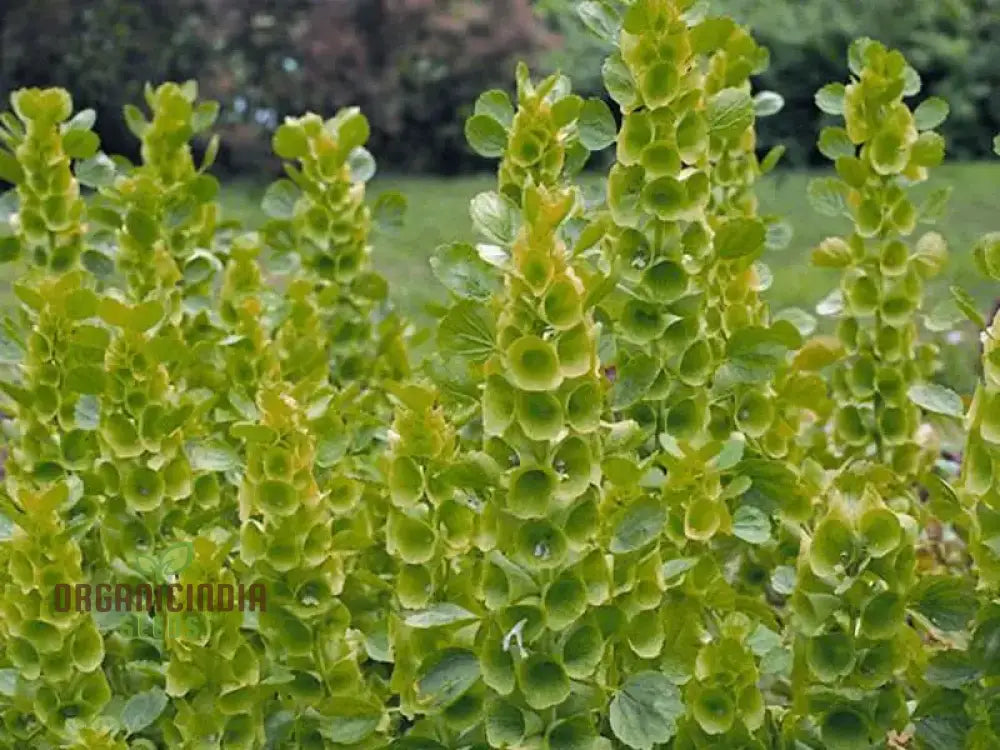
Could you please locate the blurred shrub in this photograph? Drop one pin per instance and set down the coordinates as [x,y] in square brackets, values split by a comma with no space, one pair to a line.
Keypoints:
[414,65]
[953,43]
[103,50]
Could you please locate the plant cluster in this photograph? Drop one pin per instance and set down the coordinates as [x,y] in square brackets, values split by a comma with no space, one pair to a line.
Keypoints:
[623,505]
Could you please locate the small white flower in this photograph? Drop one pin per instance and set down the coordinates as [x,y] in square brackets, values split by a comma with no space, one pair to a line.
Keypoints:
[516,634]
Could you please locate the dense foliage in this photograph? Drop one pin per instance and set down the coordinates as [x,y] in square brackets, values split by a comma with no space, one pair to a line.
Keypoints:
[622,504]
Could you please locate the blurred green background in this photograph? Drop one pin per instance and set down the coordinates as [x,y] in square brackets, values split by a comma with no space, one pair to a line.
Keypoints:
[416,67]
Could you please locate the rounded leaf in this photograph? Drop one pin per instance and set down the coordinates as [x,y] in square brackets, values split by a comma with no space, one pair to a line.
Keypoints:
[645,711]
[543,681]
[487,136]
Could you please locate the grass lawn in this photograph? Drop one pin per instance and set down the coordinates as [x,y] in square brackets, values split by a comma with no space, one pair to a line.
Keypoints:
[439,213]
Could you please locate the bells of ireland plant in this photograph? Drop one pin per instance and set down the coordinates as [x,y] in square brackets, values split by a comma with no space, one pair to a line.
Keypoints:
[977,482]
[300,532]
[320,222]
[542,143]
[501,569]
[856,574]
[698,369]
[882,373]
[52,652]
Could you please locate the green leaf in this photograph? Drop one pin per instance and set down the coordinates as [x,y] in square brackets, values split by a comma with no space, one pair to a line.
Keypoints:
[948,602]
[496,104]
[646,710]
[86,379]
[602,19]
[996,145]
[772,158]
[931,113]
[634,380]
[618,81]
[446,676]
[739,238]
[486,136]
[597,125]
[495,255]
[711,34]
[783,580]
[775,484]
[143,709]
[934,207]
[352,128]
[176,558]
[763,640]
[87,413]
[389,211]
[438,615]
[835,143]
[827,195]
[468,331]
[944,316]
[751,525]
[768,103]
[461,269]
[937,399]
[352,721]
[82,120]
[802,320]
[81,304]
[755,352]
[496,217]
[290,142]
[952,669]
[856,54]
[145,315]
[142,226]
[10,170]
[731,453]
[135,120]
[639,525]
[830,98]
[673,568]
[114,312]
[280,198]
[567,110]
[967,305]
[212,455]
[81,144]
[8,682]
[211,152]
[941,721]
[730,112]
[97,171]
[204,116]
[361,163]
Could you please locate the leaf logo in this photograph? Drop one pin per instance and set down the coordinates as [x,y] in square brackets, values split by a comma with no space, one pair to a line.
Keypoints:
[171,561]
